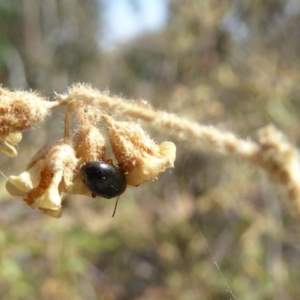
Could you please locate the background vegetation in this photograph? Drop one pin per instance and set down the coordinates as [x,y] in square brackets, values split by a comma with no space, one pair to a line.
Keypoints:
[233,64]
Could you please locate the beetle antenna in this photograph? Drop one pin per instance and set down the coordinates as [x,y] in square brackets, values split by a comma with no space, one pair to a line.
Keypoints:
[115,209]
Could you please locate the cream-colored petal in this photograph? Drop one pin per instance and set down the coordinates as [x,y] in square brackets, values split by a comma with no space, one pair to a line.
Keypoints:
[147,168]
[168,150]
[29,179]
[8,149]
[13,190]
[51,199]
[53,213]
[14,138]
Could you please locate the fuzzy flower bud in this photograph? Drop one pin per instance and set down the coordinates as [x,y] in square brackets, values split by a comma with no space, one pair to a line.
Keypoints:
[89,145]
[49,174]
[137,154]
[19,110]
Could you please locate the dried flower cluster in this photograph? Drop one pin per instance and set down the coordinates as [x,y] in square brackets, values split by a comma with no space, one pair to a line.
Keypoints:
[55,169]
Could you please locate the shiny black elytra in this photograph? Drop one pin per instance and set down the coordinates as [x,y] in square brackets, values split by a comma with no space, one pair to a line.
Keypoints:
[103,179]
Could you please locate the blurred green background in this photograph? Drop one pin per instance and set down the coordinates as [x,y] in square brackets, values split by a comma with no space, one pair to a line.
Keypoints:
[233,64]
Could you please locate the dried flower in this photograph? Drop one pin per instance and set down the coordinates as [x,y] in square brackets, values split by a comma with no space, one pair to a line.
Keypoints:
[48,176]
[137,154]
[19,110]
[89,145]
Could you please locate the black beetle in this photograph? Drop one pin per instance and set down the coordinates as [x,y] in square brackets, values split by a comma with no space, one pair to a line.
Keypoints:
[103,179]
